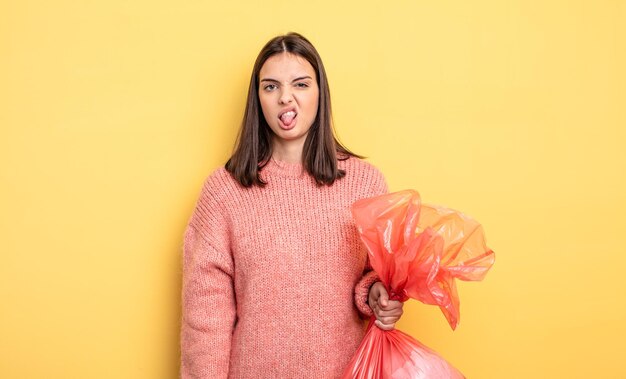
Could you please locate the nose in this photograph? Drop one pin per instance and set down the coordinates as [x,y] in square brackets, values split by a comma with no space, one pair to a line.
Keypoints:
[286,96]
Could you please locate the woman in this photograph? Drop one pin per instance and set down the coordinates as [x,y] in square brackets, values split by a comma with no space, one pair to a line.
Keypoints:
[275,280]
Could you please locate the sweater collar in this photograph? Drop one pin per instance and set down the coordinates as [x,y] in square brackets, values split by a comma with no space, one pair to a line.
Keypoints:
[283,168]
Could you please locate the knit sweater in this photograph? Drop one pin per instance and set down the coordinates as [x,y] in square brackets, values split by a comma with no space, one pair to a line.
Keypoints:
[275,279]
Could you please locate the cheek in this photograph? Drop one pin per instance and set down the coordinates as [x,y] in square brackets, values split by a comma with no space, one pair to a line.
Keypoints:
[312,103]
[315,107]
[265,107]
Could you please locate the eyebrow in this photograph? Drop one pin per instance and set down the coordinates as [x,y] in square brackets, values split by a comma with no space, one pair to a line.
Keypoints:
[276,81]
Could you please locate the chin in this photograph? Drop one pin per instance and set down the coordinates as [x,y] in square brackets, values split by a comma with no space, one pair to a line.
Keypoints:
[290,135]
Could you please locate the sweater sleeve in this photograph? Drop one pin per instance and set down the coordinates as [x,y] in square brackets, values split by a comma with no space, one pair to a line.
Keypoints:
[208,300]
[362,288]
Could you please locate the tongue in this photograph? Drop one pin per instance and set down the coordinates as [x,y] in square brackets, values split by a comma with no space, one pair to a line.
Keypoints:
[287,118]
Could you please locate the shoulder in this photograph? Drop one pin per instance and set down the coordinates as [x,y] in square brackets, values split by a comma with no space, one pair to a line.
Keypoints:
[210,217]
[365,173]
[219,182]
[358,167]
[358,164]
[217,188]
[213,202]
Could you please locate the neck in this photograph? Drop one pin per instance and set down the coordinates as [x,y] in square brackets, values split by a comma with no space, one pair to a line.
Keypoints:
[288,151]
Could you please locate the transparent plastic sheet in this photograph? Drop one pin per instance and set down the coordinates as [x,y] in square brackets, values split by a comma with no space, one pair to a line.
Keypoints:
[417,250]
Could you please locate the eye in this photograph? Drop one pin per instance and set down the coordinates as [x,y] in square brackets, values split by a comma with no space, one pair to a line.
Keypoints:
[269,87]
[302,85]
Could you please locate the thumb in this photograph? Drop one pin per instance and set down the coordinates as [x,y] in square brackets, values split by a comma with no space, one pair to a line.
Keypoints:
[384,297]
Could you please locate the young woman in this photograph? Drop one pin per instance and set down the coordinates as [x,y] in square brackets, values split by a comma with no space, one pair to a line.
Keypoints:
[276,283]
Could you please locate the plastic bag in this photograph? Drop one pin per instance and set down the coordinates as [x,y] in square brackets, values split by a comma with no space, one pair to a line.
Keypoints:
[417,250]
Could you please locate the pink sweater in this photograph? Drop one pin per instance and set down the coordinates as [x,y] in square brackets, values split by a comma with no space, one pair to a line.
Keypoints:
[275,279]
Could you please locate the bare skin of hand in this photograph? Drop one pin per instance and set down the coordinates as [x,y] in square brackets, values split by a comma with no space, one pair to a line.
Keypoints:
[387,311]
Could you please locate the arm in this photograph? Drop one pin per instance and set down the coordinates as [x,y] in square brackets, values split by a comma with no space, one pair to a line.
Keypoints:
[378,187]
[371,290]
[362,289]
[208,300]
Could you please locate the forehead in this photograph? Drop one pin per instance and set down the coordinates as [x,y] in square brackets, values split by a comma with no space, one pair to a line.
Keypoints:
[286,66]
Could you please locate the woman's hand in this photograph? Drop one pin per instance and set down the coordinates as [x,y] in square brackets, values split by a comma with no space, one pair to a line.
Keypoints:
[387,311]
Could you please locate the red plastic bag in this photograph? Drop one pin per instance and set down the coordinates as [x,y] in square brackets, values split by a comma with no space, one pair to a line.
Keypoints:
[417,250]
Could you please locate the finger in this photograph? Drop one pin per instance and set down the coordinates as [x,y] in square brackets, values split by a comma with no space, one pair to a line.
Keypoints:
[393,304]
[393,312]
[374,294]
[375,310]
[388,320]
[372,303]
[384,326]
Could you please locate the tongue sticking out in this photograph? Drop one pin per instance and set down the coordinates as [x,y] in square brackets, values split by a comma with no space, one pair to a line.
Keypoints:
[288,117]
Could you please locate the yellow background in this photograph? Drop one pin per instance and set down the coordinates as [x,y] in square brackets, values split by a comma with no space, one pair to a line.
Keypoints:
[112,113]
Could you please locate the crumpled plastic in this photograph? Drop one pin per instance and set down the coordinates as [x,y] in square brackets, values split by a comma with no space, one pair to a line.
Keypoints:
[418,251]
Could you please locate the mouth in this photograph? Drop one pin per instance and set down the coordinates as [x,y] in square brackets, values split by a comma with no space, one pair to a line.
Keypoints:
[287,116]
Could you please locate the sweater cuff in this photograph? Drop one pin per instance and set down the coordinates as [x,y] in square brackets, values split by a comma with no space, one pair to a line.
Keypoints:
[361,293]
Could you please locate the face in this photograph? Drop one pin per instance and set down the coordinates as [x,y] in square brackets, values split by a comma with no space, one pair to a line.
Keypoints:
[289,96]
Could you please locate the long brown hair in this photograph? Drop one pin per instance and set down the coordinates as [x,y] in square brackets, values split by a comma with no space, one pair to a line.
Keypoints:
[321,148]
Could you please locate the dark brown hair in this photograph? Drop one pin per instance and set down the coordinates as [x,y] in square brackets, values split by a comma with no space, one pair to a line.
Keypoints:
[321,148]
